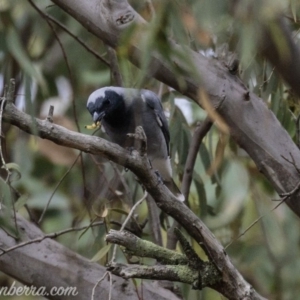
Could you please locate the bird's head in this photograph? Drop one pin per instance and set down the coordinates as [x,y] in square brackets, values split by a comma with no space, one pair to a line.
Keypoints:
[105,102]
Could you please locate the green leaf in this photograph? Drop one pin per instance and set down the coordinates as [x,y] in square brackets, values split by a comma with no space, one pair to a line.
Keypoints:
[201,194]
[13,166]
[5,194]
[21,202]
[101,253]
[15,170]
[180,136]
[18,52]
[120,211]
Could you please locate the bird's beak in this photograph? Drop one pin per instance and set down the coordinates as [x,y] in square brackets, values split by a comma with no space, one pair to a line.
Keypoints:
[98,116]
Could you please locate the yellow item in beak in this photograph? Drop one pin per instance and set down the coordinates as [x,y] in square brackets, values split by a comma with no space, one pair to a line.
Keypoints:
[93,126]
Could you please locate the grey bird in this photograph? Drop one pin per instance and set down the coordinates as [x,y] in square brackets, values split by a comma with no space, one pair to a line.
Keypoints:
[121,110]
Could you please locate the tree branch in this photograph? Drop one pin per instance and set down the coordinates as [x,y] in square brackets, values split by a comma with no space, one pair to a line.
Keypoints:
[252,125]
[53,235]
[64,269]
[233,284]
[143,248]
[114,67]
[200,132]
[179,273]
[176,266]
[56,22]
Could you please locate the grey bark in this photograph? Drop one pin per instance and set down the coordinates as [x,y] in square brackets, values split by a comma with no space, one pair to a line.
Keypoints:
[252,125]
[233,284]
[49,264]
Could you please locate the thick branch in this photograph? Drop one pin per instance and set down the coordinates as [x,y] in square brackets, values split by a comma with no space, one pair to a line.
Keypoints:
[48,264]
[143,248]
[253,126]
[233,284]
[176,266]
[178,273]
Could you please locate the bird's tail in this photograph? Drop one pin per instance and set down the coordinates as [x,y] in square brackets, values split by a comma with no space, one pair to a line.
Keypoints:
[171,185]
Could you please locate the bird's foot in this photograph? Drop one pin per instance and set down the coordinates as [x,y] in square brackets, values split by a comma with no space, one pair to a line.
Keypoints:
[141,140]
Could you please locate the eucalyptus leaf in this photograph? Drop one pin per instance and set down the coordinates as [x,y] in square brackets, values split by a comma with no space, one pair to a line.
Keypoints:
[21,202]
[101,253]
[19,53]
[14,169]
[201,194]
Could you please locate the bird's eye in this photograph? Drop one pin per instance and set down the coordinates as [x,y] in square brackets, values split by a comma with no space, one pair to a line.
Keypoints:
[106,102]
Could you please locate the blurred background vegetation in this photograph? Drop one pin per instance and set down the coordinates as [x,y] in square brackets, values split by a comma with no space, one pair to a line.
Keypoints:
[228,192]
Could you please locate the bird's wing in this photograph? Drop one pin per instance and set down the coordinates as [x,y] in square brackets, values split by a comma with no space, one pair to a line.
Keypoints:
[154,103]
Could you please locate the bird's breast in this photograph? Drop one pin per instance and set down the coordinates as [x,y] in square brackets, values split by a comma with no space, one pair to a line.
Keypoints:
[118,128]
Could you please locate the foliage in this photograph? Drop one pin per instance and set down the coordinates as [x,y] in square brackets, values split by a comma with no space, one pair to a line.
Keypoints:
[227,191]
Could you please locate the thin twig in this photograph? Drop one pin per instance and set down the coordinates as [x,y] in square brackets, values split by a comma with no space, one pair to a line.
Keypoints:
[97,283]
[255,222]
[127,220]
[197,139]
[72,84]
[9,234]
[114,67]
[293,191]
[292,162]
[71,34]
[133,209]
[297,187]
[154,221]
[110,285]
[48,236]
[107,183]
[56,188]
[277,262]
[268,79]
[123,182]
